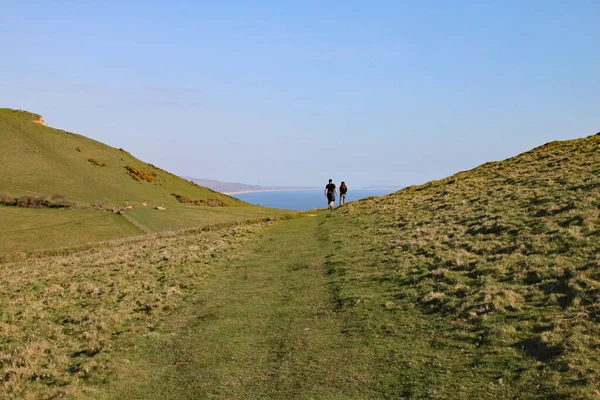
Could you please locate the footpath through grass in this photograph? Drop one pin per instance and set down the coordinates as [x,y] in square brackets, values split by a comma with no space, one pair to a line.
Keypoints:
[265,326]
[296,314]
[305,308]
[483,285]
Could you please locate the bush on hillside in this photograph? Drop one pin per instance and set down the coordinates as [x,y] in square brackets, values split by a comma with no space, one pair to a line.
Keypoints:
[139,174]
[95,162]
[203,202]
[157,168]
[212,202]
[182,198]
[7,200]
[56,201]
[114,208]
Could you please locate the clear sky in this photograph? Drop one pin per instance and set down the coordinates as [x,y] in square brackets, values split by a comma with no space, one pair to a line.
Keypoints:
[293,93]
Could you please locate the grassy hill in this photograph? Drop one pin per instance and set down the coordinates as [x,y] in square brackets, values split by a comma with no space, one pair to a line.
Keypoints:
[37,160]
[483,285]
[495,271]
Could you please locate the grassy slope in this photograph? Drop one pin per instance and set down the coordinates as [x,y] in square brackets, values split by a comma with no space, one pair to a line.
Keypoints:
[66,318]
[27,229]
[38,160]
[505,257]
[481,285]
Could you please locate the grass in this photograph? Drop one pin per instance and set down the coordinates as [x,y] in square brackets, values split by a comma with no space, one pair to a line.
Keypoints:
[66,318]
[26,230]
[40,159]
[482,285]
[189,216]
[280,324]
[505,257]
[262,327]
[41,162]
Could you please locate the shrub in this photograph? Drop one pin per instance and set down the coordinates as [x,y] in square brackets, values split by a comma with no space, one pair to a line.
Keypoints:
[114,208]
[139,174]
[59,201]
[207,202]
[56,201]
[95,162]
[32,202]
[182,198]
[7,200]
[212,202]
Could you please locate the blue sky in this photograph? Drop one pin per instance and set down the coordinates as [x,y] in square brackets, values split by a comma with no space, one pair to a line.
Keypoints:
[293,93]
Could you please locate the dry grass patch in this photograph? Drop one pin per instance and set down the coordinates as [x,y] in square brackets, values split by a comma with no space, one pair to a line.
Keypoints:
[63,316]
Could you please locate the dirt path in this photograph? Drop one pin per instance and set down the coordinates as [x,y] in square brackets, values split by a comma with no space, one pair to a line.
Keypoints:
[264,327]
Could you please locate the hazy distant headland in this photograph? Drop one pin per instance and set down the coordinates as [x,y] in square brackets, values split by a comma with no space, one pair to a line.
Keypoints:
[240,188]
[383,187]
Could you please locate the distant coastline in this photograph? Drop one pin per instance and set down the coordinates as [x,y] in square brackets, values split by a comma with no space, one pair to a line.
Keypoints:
[230,188]
[291,189]
[235,188]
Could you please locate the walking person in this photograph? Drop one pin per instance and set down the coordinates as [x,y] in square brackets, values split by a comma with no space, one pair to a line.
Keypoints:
[343,191]
[330,192]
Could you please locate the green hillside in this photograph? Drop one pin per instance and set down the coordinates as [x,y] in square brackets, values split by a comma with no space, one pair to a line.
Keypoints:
[37,160]
[495,271]
[483,285]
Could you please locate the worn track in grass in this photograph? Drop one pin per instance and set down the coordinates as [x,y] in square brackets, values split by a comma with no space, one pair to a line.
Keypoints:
[264,327]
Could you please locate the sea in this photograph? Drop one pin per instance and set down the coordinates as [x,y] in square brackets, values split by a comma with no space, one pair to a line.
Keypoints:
[302,200]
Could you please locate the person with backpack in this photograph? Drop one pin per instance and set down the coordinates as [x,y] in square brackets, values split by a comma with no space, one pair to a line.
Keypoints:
[343,191]
[330,192]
